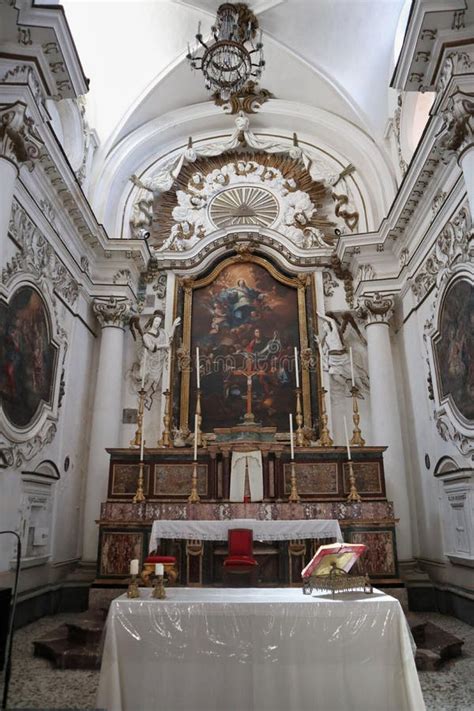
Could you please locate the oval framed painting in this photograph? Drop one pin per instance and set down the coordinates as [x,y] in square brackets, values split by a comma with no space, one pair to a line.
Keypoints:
[28,358]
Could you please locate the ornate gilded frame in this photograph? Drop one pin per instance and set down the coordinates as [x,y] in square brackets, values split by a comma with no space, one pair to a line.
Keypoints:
[301,282]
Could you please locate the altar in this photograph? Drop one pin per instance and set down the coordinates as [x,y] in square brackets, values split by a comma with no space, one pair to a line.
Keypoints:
[258,650]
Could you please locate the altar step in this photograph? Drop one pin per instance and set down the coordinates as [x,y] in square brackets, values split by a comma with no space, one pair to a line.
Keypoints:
[434,646]
[74,645]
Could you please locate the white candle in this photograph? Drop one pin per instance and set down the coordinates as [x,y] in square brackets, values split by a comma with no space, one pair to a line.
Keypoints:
[134,566]
[159,569]
[297,375]
[144,367]
[169,367]
[347,439]
[195,437]
[352,367]
[142,443]
[198,374]
[292,446]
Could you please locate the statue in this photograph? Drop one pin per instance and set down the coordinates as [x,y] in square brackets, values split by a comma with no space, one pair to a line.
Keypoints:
[156,342]
[334,352]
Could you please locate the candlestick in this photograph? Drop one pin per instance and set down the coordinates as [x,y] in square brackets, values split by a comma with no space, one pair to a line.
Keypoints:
[165,440]
[299,420]
[347,439]
[292,447]
[297,374]
[195,436]
[199,437]
[142,446]
[194,497]
[159,569]
[139,494]
[133,590]
[198,373]
[143,368]
[353,493]
[169,367]
[137,440]
[325,439]
[352,367]
[357,439]
[159,592]
[294,496]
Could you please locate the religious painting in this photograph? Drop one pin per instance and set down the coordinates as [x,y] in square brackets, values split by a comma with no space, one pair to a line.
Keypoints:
[247,318]
[454,348]
[27,357]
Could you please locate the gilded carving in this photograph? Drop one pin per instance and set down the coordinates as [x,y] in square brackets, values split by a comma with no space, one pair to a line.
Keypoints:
[248,99]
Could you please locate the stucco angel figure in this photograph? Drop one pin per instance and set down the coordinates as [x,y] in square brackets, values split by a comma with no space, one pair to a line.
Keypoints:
[156,342]
[336,354]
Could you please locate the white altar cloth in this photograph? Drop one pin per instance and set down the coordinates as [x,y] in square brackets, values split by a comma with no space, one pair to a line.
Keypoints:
[262,530]
[252,649]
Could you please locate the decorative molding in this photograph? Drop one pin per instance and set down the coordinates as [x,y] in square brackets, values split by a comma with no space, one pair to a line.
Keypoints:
[377,308]
[19,141]
[112,311]
[450,433]
[397,131]
[329,283]
[457,133]
[249,99]
[454,63]
[16,454]
[454,244]
[37,257]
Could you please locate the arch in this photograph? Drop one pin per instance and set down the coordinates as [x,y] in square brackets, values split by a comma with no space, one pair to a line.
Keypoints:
[445,465]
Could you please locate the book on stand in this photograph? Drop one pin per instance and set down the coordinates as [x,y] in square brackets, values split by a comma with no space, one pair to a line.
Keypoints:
[339,555]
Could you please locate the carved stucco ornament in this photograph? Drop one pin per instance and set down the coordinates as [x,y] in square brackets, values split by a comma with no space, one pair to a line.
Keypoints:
[249,99]
[112,311]
[19,141]
[377,308]
[458,128]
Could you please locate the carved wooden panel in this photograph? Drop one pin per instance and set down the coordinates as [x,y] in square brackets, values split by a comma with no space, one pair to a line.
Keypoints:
[117,549]
[369,479]
[312,479]
[175,479]
[124,480]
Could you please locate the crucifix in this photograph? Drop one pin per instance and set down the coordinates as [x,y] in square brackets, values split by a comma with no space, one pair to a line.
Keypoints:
[247,372]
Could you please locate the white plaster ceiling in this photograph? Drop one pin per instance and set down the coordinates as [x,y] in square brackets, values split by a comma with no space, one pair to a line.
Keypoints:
[336,55]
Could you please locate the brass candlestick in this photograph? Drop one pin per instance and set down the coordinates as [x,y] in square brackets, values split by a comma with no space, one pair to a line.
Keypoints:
[325,439]
[294,496]
[159,592]
[357,439]
[133,589]
[199,417]
[299,436]
[194,497]
[165,440]
[139,495]
[137,440]
[353,493]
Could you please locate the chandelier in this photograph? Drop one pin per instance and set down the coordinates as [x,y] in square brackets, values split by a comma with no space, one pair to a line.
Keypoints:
[234,56]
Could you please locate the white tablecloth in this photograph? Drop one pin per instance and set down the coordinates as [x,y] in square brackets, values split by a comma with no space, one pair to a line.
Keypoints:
[262,530]
[220,649]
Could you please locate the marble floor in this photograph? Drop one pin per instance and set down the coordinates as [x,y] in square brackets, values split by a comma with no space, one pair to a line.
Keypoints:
[36,684]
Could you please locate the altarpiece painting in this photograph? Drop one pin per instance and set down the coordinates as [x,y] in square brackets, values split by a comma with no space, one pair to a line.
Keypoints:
[245,316]
[454,348]
[27,356]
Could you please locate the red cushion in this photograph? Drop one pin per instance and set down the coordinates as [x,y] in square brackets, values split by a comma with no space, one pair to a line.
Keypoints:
[161,559]
[238,560]
[240,541]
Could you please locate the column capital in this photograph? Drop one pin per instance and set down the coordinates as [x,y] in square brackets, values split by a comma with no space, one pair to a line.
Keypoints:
[19,141]
[376,308]
[111,311]
[458,127]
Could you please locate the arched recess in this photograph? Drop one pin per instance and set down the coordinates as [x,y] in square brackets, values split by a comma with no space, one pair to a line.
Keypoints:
[446,465]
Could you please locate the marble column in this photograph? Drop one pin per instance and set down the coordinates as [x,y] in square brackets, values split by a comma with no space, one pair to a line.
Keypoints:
[112,314]
[19,144]
[385,413]
[458,136]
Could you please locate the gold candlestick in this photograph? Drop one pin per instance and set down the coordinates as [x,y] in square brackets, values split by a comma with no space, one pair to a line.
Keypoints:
[294,496]
[137,440]
[139,495]
[357,439]
[353,493]
[159,592]
[325,439]
[194,497]
[165,440]
[299,420]
[133,589]
[199,417]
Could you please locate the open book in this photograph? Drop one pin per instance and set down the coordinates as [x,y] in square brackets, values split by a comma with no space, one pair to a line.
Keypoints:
[344,555]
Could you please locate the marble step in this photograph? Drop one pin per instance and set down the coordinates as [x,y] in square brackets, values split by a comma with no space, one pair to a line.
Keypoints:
[417,627]
[66,654]
[436,648]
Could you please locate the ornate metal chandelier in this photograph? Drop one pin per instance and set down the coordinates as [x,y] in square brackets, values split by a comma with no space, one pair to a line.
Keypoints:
[234,56]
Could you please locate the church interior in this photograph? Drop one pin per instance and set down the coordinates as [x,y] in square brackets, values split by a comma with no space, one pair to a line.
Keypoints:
[237,355]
